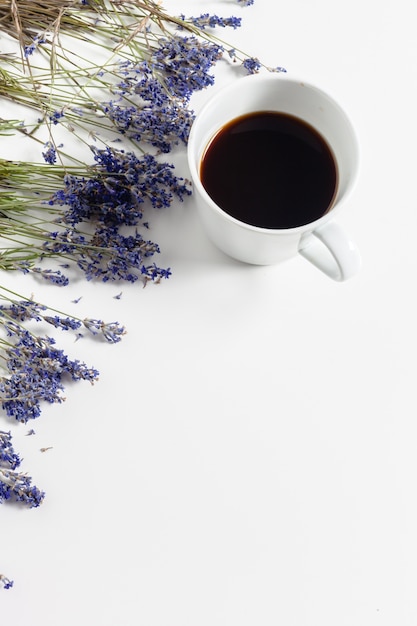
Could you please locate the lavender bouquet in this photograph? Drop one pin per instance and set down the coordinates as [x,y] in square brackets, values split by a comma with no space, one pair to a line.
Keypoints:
[114,79]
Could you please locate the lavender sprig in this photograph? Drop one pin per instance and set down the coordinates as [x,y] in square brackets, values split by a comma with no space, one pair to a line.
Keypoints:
[20,310]
[36,373]
[18,486]
[15,485]
[8,457]
[36,370]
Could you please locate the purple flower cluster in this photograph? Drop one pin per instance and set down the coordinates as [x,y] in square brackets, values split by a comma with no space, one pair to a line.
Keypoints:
[15,485]
[212,21]
[56,116]
[49,153]
[36,369]
[31,48]
[160,126]
[111,331]
[145,110]
[54,277]
[161,89]
[18,311]
[116,195]
[252,65]
[146,177]
[185,63]
[8,457]
[36,372]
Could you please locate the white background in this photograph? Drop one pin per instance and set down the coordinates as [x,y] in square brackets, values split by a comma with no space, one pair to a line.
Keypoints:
[249,455]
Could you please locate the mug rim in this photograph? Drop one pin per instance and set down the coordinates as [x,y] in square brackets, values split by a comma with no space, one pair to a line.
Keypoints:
[194,166]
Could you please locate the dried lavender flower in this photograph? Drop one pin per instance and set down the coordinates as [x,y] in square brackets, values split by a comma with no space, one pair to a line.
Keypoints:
[15,485]
[6,582]
[35,369]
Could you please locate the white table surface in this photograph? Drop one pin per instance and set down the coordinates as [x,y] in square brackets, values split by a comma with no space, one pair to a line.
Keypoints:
[249,455]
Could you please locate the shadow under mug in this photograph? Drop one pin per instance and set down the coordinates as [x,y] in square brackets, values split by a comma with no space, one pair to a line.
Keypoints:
[322,242]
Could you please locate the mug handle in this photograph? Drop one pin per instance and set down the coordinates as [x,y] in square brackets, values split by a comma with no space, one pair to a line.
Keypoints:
[332,251]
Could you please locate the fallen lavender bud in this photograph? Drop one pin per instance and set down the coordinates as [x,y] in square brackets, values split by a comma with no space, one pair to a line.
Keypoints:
[6,582]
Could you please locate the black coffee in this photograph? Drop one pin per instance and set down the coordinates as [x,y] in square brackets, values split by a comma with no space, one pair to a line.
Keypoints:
[270,170]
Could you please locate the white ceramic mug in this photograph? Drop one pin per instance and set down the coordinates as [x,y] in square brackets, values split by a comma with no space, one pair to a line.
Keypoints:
[323,242]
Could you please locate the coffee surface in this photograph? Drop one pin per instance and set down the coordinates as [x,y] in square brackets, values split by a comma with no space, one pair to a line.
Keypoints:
[270,170]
